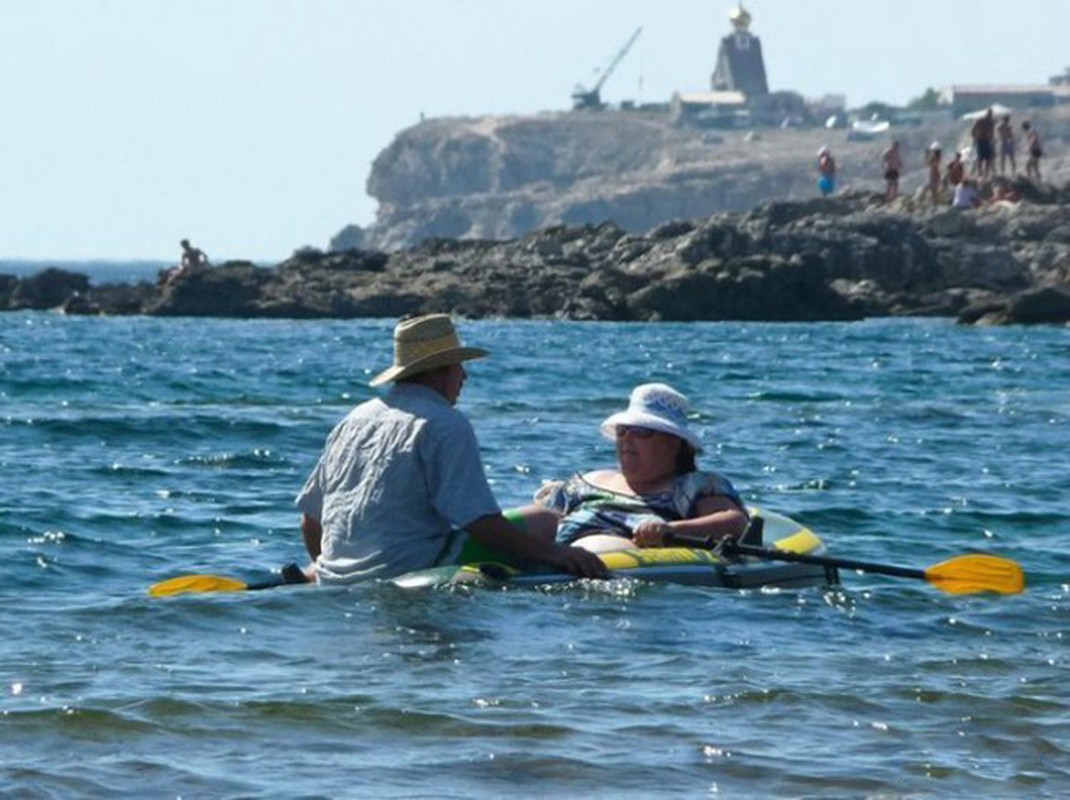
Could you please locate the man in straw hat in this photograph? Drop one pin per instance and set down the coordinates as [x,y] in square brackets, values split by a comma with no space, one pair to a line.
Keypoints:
[400,485]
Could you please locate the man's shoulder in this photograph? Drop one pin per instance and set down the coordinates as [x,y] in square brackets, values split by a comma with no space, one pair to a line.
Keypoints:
[440,419]
[371,406]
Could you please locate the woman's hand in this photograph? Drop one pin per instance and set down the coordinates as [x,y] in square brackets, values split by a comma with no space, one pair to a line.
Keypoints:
[651,533]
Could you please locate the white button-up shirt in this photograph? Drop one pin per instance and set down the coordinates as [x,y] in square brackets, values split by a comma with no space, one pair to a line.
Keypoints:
[396,476]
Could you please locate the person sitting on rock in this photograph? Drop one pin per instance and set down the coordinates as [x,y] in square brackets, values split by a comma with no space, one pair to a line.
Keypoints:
[966,195]
[192,259]
[1004,196]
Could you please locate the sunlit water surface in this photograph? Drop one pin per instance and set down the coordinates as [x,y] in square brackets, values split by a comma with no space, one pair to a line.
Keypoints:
[132,450]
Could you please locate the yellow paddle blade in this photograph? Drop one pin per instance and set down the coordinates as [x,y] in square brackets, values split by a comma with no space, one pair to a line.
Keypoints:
[977,573]
[196,583]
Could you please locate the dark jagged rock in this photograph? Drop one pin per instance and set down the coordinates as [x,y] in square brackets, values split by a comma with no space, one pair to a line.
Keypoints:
[231,290]
[841,259]
[8,284]
[113,298]
[1047,305]
[49,288]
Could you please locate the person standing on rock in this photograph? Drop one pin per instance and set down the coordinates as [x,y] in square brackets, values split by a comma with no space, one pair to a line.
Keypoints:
[400,484]
[826,172]
[1034,150]
[1005,133]
[984,134]
[893,167]
[932,161]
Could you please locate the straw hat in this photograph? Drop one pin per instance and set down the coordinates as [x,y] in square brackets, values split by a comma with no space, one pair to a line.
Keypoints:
[424,343]
[656,406]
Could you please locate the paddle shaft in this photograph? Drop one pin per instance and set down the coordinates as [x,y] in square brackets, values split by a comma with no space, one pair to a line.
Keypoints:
[839,563]
[732,548]
[271,583]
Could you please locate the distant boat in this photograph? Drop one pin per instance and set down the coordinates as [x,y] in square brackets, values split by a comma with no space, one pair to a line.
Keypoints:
[836,121]
[996,109]
[863,130]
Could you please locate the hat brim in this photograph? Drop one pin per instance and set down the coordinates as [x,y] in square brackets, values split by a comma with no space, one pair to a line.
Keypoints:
[640,420]
[454,355]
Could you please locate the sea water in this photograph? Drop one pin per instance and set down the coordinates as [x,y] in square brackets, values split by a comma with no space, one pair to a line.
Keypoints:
[137,449]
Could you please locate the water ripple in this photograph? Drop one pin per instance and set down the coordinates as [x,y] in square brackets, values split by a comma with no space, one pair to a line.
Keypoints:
[139,449]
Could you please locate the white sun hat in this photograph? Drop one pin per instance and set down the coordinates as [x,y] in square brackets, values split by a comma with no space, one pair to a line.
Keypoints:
[658,407]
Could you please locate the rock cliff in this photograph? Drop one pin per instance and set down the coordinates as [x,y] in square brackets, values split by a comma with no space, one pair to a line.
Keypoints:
[504,177]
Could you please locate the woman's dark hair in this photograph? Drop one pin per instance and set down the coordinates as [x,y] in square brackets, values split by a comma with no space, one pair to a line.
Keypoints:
[685,459]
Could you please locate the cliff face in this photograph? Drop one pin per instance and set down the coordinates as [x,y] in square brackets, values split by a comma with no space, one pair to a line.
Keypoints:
[503,177]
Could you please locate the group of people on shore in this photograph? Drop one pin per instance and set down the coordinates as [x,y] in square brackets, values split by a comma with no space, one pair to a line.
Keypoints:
[400,484]
[987,136]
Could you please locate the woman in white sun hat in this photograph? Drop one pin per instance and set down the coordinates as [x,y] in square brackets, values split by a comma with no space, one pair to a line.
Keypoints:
[657,488]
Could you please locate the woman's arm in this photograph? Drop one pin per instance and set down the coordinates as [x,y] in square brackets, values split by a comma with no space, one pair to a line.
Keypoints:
[715,516]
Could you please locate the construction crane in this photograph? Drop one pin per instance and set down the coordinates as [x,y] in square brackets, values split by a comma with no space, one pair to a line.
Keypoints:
[592,98]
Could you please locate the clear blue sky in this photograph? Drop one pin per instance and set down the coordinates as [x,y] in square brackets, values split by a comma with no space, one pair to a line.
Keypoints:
[250,125]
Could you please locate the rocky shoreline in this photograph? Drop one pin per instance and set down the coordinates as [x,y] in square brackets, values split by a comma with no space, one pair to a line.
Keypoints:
[843,258]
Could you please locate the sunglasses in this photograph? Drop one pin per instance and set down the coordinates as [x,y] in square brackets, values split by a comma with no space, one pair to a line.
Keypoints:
[638,433]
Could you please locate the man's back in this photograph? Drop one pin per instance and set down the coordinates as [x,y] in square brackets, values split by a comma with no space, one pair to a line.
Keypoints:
[397,475]
[984,129]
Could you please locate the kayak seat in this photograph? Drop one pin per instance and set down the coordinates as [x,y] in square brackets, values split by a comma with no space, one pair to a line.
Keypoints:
[753,533]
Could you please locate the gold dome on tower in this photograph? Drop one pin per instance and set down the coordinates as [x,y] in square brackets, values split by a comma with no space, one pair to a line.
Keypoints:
[740,18]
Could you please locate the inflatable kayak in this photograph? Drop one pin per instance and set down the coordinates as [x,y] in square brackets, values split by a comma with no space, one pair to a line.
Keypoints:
[696,566]
[776,552]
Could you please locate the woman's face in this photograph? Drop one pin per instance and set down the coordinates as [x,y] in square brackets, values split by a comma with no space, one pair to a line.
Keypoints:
[645,454]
